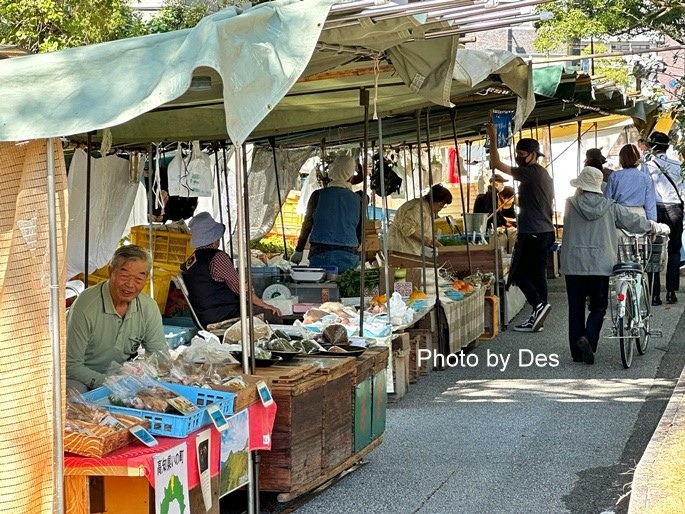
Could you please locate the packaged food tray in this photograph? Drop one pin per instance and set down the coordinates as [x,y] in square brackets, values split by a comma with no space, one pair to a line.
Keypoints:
[172,425]
[102,441]
[305,274]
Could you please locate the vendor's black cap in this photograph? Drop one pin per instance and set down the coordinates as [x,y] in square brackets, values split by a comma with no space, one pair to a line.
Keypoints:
[658,139]
[595,153]
[528,144]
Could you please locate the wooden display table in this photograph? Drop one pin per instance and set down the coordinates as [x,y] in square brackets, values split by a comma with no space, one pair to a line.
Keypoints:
[464,320]
[123,481]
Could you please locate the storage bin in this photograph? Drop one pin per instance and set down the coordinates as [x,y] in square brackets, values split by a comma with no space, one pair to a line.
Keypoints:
[171,248]
[172,425]
[263,277]
[315,293]
[176,336]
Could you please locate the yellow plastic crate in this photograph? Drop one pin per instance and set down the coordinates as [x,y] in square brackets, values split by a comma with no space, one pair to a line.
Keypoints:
[162,274]
[171,248]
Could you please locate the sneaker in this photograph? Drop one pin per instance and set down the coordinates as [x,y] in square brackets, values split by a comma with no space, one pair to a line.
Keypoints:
[539,315]
[526,326]
[585,350]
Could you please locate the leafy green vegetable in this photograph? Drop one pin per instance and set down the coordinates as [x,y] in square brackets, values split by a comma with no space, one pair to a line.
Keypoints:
[349,282]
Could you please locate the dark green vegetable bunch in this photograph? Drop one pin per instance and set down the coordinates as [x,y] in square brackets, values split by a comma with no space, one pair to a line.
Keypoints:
[349,282]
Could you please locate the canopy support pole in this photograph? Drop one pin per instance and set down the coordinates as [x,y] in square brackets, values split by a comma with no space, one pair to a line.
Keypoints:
[272,143]
[466,165]
[228,198]
[438,318]
[579,137]
[551,169]
[404,165]
[453,117]
[384,217]
[421,206]
[411,165]
[245,303]
[57,426]
[364,102]
[89,149]
[215,147]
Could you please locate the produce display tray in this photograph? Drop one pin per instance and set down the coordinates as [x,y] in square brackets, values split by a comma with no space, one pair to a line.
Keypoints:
[102,441]
[172,425]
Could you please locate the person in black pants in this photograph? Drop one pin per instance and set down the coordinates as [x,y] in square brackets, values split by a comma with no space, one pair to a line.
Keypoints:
[588,255]
[665,174]
[535,228]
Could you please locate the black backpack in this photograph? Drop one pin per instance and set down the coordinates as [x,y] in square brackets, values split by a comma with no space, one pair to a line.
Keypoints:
[392,181]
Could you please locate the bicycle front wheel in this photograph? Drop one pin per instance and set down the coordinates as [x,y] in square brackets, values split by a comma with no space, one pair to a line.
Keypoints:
[624,325]
[645,321]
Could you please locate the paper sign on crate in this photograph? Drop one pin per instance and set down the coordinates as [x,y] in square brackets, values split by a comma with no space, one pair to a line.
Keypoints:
[171,481]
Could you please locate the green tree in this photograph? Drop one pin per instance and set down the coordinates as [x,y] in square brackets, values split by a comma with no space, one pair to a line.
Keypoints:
[583,19]
[48,25]
[614,69]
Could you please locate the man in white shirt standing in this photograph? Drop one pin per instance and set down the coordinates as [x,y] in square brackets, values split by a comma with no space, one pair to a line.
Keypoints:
[668,187]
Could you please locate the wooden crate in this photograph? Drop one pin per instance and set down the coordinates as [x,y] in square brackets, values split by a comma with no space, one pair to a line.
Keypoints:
[413,353]
[338,431]
[421,339]
[297,438]
[104,440]
[400,375]
[490,318]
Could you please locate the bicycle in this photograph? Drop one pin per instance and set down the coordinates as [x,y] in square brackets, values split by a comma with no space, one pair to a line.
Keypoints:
[631,314]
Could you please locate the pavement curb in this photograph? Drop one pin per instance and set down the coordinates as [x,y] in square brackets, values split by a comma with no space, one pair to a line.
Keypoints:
[644,493]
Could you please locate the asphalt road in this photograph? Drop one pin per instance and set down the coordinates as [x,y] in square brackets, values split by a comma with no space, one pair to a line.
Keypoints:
[538,438]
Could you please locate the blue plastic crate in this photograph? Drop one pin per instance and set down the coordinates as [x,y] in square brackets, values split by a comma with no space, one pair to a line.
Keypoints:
[172,425]
[176,335]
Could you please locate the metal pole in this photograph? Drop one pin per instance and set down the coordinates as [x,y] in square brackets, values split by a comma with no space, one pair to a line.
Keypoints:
[435,257]
[404,165]
[468,170]
[421,206]
[364,102]
[272,142]
[411,163]
[89,143]
[57,425]
[228,198]
[244,305]
[215,147]
[554,198]
[453,116]
[579,150]
[384,217]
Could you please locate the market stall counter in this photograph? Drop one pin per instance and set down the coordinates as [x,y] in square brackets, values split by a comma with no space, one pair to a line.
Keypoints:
[314,432]
[136,479]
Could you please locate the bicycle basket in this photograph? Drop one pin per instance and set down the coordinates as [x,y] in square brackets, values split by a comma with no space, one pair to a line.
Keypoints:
[651,255]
